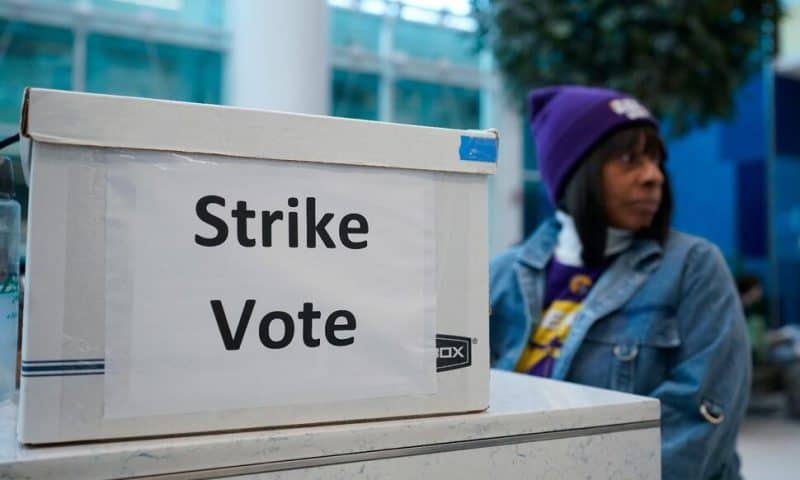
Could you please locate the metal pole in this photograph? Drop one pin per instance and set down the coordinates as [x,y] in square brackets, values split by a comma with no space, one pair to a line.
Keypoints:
[82,12]
[79,59]
[386,58]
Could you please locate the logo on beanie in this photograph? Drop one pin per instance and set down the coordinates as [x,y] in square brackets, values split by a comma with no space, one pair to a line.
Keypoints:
[629,107]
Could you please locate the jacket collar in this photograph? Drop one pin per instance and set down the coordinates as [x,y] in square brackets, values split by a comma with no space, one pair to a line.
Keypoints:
[615,287]
[539,247]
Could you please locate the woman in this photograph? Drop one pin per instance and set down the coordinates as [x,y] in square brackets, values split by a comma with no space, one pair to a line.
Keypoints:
[607,295]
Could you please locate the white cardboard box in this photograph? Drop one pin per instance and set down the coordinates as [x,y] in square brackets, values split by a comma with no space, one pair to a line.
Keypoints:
[196,268]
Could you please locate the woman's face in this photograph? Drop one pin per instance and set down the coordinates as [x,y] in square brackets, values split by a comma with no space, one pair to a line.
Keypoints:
[632,188]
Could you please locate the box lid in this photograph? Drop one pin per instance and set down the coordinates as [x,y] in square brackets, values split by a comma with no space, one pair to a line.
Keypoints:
[73,118]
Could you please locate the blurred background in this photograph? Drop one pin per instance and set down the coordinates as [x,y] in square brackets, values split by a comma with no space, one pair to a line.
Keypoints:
[729,99]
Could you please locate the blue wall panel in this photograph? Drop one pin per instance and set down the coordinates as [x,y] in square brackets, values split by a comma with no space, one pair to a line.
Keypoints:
[744,136]
[704,187]
[787,126]
[751,185]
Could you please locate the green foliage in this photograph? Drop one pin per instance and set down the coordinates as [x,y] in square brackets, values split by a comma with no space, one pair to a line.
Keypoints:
[683,58]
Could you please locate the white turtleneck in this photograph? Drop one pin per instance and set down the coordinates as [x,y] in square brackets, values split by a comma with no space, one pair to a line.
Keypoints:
[568,249]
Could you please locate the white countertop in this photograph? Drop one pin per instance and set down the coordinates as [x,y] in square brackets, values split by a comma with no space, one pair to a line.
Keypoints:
[520,405]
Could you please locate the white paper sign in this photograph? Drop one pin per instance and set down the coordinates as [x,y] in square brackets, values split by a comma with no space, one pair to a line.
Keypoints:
[243,283]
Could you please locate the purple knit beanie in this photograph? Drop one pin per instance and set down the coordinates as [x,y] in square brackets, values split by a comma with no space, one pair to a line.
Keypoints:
[568,121]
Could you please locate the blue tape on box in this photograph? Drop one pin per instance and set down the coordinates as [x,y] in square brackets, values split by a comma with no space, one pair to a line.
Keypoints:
[478,149]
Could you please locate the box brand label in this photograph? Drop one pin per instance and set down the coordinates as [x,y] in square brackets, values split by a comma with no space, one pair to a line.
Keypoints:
[453,352]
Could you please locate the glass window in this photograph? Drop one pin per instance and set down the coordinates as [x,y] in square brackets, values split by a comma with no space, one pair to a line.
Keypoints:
[431,42]
[355,29]
[123,66]
[31,56]
[196,13]
[436,105]
[355,95]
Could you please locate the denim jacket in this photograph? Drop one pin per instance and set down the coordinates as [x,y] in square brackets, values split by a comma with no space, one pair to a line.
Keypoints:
[665,322]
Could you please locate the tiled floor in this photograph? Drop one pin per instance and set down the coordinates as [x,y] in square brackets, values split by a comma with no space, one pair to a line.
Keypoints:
[769,444]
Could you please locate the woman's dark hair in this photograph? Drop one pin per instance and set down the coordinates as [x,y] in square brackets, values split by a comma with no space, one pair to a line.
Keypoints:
[746,282]
[583,196]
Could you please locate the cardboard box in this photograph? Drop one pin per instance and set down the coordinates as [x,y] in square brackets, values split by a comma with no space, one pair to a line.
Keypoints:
[196,268]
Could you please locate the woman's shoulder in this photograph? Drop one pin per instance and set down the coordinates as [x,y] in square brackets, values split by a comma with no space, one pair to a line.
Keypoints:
[698,256]
[506,256]
[502,279]
[503,262]
[684,244]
